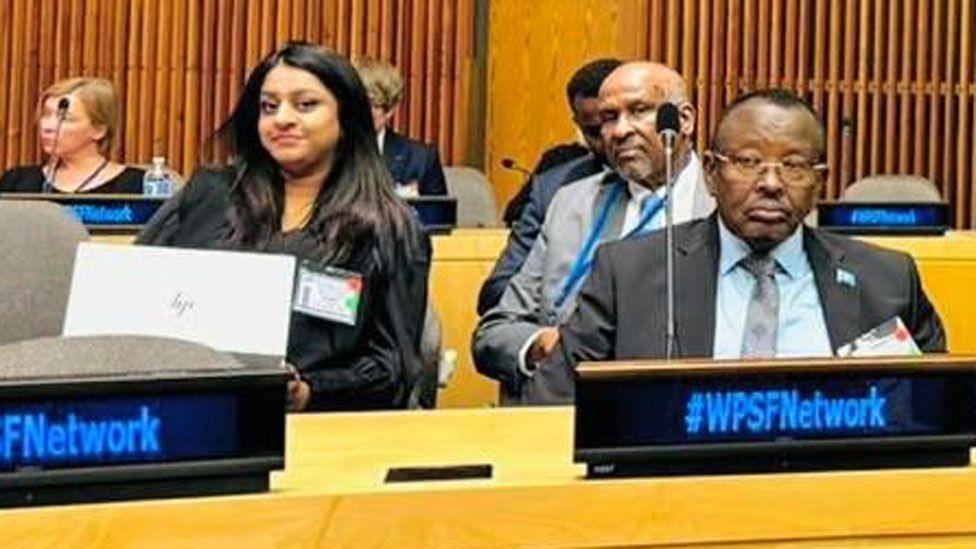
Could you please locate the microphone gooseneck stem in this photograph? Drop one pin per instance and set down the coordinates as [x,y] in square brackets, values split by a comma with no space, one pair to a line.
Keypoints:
[669,241]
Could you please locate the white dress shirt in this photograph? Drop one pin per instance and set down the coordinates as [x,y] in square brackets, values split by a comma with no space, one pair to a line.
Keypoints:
[682,194]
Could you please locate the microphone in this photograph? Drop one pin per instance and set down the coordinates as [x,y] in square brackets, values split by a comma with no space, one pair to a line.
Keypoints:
[55,161]
[510,164]
[668,123]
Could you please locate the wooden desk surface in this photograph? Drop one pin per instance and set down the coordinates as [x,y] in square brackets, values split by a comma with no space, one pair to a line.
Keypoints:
[332,495]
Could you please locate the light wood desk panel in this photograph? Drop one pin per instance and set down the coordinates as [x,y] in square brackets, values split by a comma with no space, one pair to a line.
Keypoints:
[332,495]
[462,261]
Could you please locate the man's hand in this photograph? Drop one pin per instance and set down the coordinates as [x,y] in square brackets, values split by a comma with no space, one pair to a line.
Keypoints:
[543,345]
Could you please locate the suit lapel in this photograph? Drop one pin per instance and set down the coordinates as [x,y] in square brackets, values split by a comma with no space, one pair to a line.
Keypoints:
[695,266]
[837,286]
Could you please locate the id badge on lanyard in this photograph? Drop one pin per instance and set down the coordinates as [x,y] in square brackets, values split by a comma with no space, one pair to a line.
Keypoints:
[328,293]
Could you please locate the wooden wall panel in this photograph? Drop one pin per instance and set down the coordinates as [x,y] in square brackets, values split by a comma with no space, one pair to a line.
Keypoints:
[180,64]
[533,49]
[894,80]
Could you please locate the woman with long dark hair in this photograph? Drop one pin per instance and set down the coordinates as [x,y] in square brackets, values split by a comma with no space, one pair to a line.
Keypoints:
[305,178]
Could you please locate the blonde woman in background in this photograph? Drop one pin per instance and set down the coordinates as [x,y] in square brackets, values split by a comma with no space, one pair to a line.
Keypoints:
[78,122]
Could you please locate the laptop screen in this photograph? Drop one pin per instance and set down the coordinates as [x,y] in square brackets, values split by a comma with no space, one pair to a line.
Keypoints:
[231,301]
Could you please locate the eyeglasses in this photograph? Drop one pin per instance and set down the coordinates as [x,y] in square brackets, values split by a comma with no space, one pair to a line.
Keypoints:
[795,172]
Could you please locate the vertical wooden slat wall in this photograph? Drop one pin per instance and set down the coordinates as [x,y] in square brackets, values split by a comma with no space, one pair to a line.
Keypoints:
[894,80]
[180,64]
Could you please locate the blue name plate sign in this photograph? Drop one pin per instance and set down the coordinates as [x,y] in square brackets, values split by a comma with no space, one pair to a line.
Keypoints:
[139,435]
[58,433]
[783,415]
[100,213]
[884,217]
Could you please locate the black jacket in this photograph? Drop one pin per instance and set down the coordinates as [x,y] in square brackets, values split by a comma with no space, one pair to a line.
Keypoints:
[550,159]
[371,365]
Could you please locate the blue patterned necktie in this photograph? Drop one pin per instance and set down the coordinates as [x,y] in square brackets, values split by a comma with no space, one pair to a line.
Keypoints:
[762,317]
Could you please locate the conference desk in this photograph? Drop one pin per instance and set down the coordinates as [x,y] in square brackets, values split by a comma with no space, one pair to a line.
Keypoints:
[463,259]
[332,494]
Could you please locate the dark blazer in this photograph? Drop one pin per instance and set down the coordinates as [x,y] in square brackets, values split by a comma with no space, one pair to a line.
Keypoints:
[410,161]
[621,313]
[374,364]
[526,228]
[552,157]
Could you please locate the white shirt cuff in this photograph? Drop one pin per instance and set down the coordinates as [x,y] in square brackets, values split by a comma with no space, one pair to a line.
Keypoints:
[523,351]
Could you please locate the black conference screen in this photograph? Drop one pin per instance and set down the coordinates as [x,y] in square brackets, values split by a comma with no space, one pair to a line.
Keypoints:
[723,418]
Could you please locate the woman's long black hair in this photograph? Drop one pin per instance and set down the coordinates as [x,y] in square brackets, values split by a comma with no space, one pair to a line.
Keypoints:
[356,205]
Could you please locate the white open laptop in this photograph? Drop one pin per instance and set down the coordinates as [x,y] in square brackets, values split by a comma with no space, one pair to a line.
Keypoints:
[231,301]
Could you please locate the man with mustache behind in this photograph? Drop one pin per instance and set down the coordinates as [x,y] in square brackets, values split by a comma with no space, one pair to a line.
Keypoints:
[751,280]
[625,203]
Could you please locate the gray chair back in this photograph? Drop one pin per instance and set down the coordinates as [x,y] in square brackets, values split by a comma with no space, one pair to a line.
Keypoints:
[476,200]
[107,355]
[892,188]
[37,255]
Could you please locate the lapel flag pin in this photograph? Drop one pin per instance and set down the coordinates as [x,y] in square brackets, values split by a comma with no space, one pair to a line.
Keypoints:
[846,278]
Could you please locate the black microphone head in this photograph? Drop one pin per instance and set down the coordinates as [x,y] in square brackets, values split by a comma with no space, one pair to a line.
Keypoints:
[668,118]
[63,105]
[508,163]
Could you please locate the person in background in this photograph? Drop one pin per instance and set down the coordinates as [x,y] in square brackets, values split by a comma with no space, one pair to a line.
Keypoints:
[78,125]
[581,92]
[306,179]
[415,167]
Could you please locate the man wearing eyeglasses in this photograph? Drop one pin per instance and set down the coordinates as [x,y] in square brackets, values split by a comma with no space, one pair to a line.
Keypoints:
[752,280]
[625,203]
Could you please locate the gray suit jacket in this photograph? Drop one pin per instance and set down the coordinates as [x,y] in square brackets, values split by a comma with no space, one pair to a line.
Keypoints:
[528,302]
[621,308]
[526,228]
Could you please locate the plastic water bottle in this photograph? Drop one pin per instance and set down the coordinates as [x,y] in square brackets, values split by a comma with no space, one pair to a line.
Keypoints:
[157,182]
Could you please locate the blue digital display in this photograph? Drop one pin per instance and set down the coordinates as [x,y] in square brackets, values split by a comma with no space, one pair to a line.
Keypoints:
[875,216]
[718,409]
[784,412]
[86,432]
[113,212]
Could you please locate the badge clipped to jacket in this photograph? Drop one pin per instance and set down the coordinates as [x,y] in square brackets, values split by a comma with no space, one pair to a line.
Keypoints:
[328,293]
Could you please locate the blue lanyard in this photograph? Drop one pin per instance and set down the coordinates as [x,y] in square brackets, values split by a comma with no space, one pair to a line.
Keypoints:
[650,210]
[584,260]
